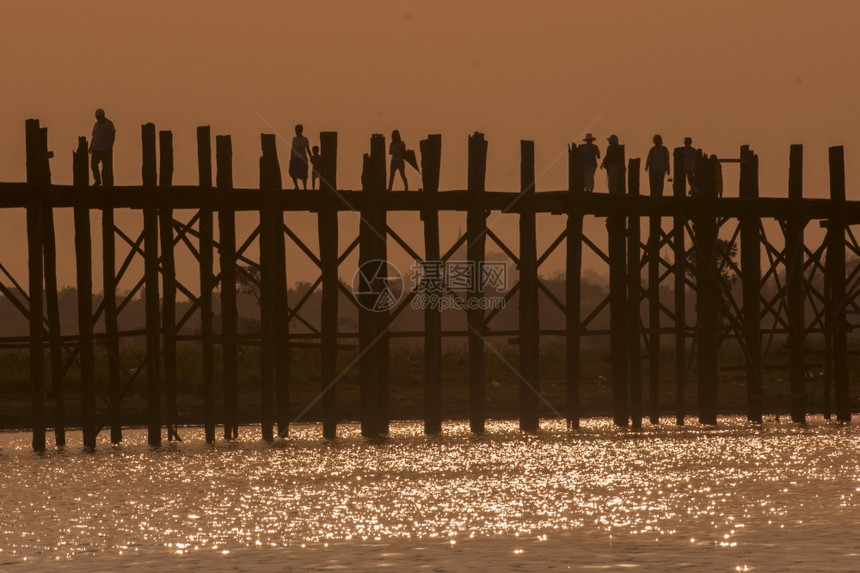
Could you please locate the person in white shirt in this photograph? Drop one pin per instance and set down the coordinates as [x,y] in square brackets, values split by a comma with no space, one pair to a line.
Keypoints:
[101,149]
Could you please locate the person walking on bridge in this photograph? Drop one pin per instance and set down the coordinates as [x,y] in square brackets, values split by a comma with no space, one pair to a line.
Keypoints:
[590,155]
[657,166]
[101,149]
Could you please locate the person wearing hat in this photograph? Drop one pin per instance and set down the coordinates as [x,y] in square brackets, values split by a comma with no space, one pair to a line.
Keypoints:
[590,155]
[614,164]
[101,149]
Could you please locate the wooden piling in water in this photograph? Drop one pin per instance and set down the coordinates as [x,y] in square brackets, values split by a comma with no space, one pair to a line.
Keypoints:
[836,272]
[378,155]
[476,231]
[327,225]
[372,284]
[795,285]
[84,276]
[708,295]
[431,160]
[528,310]
[618,308]
[168,284]
[207,283]
[751,282]
[227,262]
[679,269]
[282,315]
[52,306]
[35,234]
[109,285]
[655,236]
[634,295]
[49,262]
[573,290]
[153,316]
[269,184]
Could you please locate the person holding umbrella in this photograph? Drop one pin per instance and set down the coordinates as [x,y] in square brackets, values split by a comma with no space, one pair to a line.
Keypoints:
[397,150]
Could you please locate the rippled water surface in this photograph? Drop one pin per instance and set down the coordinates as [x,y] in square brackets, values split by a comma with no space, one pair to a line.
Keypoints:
[731,498]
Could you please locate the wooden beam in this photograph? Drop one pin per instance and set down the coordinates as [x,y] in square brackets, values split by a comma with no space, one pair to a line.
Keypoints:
[207,282]
[327,225]
[528,309]
[796,286]
[431,160]
[153,317]
[476,225]
[229,310]
[84,275]
[35,237]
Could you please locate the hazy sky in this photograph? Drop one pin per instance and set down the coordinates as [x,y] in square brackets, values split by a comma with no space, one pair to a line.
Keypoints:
[767,74]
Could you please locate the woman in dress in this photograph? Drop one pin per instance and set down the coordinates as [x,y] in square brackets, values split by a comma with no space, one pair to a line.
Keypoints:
[299,158]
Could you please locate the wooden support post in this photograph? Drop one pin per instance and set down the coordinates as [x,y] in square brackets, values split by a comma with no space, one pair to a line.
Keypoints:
[431,161]
[751,281]
[227,262]
[207,283]
[372,284]
[573,286]
[655,232]
[327,225]
[51,289]
[378,156]
[529,307]
[618,308]
[707,296]
[476,231]
[109,284]
[634,295]
[270,229]
[35,236]
[836,271]
[795,285]
[273,275]
[153,318]
[168,282]
[679,270]
[84,272]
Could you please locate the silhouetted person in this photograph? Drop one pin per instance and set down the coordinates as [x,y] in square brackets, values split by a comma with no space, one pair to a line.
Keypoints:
[316,165]
[397,150]
[299,158]
[590,155]
[657,166]
[614,164]
[690,158]
[101,149]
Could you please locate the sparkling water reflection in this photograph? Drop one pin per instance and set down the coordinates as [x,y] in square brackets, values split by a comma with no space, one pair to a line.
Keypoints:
[736,497]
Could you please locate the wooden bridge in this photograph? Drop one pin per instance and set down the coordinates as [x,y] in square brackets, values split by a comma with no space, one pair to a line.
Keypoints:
[694,269]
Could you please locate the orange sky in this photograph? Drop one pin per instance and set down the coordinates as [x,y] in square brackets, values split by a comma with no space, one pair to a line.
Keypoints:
[767,74]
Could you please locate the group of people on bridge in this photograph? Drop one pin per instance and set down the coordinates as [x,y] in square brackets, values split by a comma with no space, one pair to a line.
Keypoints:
[658,164]
[305,159]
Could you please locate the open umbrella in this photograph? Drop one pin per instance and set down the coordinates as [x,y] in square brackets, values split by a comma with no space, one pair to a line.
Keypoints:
[411,159]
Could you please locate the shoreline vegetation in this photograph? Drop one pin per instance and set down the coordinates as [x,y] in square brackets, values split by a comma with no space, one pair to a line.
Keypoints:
[407,386]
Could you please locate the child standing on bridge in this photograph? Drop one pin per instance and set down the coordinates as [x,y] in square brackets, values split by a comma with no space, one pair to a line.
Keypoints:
[316,165]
